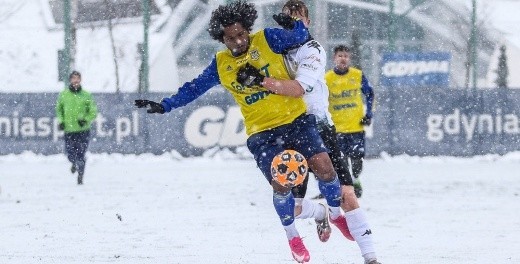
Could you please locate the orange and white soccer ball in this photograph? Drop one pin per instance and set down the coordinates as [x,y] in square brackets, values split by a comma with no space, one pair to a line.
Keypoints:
[289,168]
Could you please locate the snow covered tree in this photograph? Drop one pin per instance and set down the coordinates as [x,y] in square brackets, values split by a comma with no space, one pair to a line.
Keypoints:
[356,49]
[502,70]
[111,10]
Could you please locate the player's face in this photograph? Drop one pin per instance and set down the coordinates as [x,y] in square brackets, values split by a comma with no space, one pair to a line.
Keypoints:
[236,39]
[342,59]
[300,15]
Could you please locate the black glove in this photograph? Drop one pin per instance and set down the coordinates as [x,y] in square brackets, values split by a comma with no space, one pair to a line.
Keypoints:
[61,126]
[154,106]
[284,20]
[82,122]
[249,76]
[366,121]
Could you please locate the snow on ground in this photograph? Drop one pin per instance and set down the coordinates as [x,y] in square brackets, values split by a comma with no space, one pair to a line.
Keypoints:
[162,209]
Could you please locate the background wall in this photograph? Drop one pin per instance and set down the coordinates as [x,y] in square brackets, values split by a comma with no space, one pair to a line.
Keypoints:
[423,122]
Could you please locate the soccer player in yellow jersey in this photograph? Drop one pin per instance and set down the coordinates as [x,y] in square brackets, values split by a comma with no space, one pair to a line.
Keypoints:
[273,122]
[350,103]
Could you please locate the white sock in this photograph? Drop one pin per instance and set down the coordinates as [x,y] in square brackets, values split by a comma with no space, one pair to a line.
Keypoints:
[311,209]
[360,230]
[291,231]
[335,212]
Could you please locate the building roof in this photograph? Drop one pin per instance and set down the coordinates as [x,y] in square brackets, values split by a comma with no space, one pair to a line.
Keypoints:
[96,10]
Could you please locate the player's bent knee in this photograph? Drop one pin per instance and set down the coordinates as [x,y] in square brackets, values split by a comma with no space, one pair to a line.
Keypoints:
[321,165]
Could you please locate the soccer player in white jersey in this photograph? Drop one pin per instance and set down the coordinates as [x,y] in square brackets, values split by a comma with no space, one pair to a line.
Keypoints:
[306,63]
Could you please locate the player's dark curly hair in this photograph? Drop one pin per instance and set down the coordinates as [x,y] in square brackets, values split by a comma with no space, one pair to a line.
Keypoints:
[236,12]
[296,6]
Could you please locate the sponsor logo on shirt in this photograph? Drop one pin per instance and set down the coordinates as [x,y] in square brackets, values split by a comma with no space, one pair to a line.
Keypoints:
[253,98]
[309,66]
[313,58]
[343,106]
[255,55]
[314,44]
[345,94]
[242,61]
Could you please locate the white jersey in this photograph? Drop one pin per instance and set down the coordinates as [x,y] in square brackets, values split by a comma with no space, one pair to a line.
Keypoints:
[306,65]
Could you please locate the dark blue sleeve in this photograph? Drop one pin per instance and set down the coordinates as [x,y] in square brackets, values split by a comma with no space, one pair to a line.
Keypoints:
[194,89]
[280,40]
[367,90]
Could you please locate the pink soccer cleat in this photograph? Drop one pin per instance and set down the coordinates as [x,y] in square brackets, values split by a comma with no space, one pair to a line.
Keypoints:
[341,224]
[298,250]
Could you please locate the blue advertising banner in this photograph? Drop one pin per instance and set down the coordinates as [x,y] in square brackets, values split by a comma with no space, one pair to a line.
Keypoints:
[414,121]
[453,122]
[415,69]
[210,121]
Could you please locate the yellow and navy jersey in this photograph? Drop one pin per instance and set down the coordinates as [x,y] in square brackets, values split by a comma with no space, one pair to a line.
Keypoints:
[346,102]
[261,109]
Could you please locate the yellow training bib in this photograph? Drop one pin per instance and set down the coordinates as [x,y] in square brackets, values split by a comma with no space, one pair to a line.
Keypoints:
[346,100]
[262,110]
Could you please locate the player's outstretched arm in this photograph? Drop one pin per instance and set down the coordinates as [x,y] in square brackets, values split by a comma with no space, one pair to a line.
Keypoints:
[186,93]
[190,91]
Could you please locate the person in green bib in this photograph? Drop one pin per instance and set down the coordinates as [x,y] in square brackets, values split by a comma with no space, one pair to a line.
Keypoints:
[75,111]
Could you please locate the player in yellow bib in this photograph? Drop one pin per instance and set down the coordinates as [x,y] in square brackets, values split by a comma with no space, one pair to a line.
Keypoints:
[350,103]
[273,122]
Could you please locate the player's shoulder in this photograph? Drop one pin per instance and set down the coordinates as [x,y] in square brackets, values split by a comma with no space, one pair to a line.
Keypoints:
[355,70]
[267,34]
[86,93]
[65,93]
[312,49]
[260,32]
[313,45]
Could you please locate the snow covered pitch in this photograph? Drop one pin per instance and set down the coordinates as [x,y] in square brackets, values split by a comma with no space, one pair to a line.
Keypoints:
[163,209]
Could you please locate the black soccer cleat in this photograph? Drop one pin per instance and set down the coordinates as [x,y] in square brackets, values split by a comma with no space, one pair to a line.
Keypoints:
[80,179]
[358,189]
